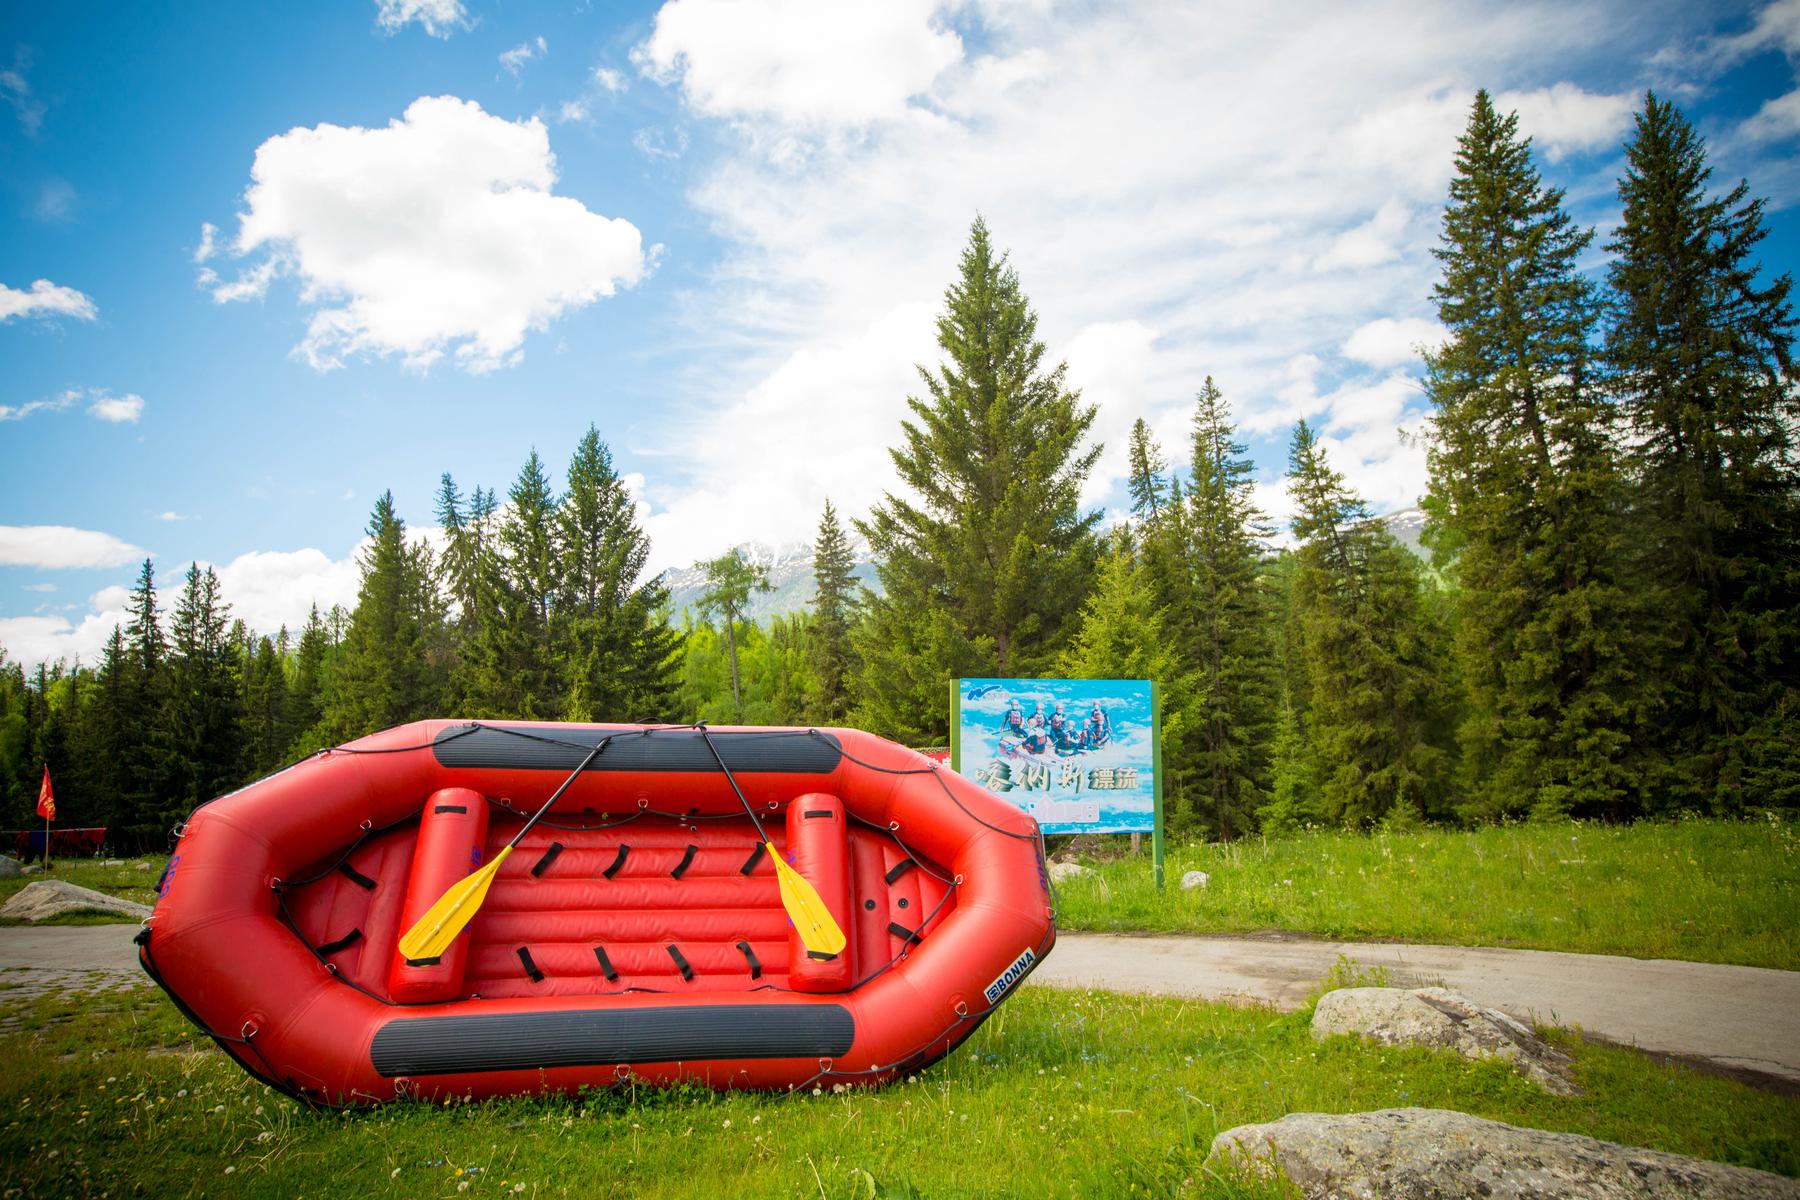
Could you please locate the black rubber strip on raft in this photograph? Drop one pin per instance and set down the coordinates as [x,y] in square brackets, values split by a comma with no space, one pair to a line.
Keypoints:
[606,967]
[531,968]
[355,876]
[782,752]
[750,957]
[821,955]
[454,1045]
[810,813]
[618,862]
[900,868]
[902,932]
[450,808]
[756,856]
[433,961]
[687,860]
[344,943]
[681,961]
[543,864]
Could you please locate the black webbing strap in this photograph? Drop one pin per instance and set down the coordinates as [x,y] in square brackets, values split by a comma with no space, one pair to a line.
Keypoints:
[451,808]
[820,955]
[810,813]
[900,868]
[433,961]
[902,932]
[355,876]
[531,968]
[606,967]
[750,957]
[343,943]
[543,864]
[617,862]
[687,860]
[681,961]
[756,856]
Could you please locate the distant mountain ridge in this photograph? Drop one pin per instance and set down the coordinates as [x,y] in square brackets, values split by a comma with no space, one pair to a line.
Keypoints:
[792,587]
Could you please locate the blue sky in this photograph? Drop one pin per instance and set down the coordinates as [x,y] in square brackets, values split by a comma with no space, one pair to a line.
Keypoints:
[446,232]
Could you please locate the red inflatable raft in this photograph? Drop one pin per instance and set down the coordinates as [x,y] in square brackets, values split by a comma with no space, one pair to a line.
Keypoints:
[636,933]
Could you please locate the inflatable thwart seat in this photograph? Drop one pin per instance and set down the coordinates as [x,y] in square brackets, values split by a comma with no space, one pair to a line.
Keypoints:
[637,932]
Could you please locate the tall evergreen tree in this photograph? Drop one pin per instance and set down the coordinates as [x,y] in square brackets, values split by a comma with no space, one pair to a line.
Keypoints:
[1522,471]
[620,655]
[730,579]
[265,716]
[383,677]
[147,771]
[510,671]
[202,728]
[1147,466]
[1378,715]
[834,611]
[306,694]
[1701,355]
[984,574]
[1203,557]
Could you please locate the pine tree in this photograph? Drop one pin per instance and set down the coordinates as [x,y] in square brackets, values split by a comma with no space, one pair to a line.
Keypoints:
[265,716]
[1147,467]
[201,730]
[834,611]
[986,572]
[730,579]
[620,654]
[383,677]
[1377,727]
[510,670]
[1700,354]
[147,770]
[1121,636]
[1523,473]
[307,692]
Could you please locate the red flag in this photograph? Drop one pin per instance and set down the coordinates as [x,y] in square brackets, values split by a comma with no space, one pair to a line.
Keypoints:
[46,801]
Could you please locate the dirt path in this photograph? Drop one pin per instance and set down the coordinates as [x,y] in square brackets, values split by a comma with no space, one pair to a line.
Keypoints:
[1741,1019]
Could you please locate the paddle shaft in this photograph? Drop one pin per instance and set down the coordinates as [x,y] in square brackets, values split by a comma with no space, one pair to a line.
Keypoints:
[742,799]
[557,794]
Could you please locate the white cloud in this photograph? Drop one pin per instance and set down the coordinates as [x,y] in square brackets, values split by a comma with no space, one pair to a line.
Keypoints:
[516,58]
[1777,119]
[613,81]
[101,403]
[46,299]
[1389,342]
[15,89]
[1375,241]
[40,587]
[438,234]
[439,18]
[172,515]
[62,547]
[269,589]
[1563,119]
[819,63]
[119,410]
[209,245]
[572,110]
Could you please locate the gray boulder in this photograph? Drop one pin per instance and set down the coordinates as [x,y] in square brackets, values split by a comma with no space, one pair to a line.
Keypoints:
[143,866]
[1063,870]
[10,868]
[53,897]
[1431,1154]
[1194,879]
[1442,1020]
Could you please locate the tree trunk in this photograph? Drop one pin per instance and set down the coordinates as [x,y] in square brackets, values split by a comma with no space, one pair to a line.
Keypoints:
[737,697]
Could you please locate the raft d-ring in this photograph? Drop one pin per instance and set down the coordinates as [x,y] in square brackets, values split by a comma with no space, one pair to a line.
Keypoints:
[959,879]
[274,883]
[961,1008]
[643,803]
[894,826]
[249,1030]
[365,824]
[180,830]
[825,1065]
[402,1088]
[621,1072]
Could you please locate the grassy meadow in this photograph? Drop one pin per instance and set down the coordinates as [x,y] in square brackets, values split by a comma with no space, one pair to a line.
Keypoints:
[129,880]
[1701,890]
[1061,1094]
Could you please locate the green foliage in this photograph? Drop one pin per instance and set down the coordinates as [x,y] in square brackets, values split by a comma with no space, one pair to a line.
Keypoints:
[1700,355]
[1373,657]
[1523,471]
[986,571]
[730,579]
[201,728]
[835,609]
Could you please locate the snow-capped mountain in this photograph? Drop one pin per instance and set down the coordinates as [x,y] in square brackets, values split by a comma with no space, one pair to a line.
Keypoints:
[790,568]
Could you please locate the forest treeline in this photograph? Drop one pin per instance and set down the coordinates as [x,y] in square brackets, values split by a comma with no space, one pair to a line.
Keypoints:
[1606,627]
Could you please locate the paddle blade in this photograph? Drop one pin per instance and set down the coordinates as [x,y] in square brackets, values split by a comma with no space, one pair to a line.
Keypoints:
[432,933]
[818,930]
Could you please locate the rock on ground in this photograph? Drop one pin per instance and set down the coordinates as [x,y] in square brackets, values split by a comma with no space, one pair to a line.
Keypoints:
[54,897]
[1194,879]
[1432,1154]
[1442,1019]
[1066,870]
[9,867]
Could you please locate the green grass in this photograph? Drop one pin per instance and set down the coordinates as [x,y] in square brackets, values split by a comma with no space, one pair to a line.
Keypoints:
[1701,890]
[126,881]
[1061,1094]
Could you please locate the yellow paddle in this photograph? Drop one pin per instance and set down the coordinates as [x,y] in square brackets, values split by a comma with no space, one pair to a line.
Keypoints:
[432,933]
[818,930]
